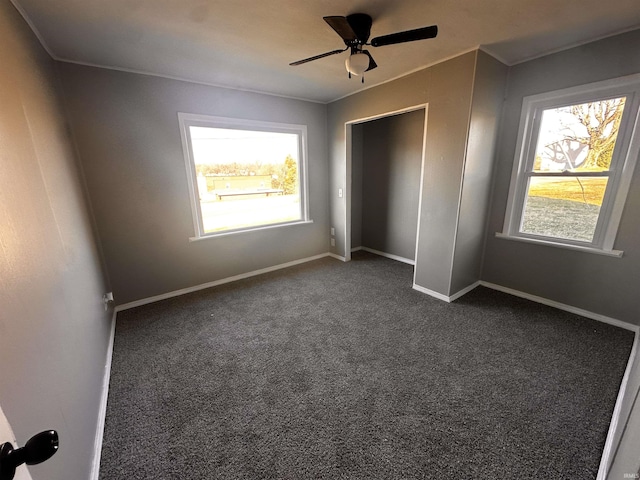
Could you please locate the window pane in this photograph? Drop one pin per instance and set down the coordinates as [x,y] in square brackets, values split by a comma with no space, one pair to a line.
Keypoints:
[563,207]
[246,178]
[578,137]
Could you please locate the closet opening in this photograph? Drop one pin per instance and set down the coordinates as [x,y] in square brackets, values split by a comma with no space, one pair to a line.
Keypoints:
[385,168]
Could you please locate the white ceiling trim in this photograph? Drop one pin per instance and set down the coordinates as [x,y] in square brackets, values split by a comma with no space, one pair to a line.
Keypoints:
[181,79]
[187,80]
[33,28]
[301,94]
[141,72]
[446,59]
[562,49]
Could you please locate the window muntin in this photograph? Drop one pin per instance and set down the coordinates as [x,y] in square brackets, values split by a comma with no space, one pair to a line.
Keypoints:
[571,165]
[244,175]
[575,157]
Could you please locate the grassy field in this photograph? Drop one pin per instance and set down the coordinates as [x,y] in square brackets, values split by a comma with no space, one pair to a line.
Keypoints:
[569,189]
[563,207]
[557,218]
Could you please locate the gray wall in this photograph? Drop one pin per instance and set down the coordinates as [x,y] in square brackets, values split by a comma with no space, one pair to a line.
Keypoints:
[488,94]
[391,163]
[447,88]
[599,284]
[126,129]
[54,332]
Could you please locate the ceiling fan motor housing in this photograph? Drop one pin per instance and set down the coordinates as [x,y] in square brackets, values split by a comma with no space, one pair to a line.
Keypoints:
[361,25]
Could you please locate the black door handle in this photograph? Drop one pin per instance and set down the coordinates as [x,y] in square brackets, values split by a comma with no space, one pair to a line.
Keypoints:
[38,448]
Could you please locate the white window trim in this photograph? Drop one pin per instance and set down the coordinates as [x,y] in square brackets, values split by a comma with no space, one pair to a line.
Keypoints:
[623,162]
[187,120]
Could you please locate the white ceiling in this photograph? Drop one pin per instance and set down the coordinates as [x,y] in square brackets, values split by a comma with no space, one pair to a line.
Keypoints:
[248,44]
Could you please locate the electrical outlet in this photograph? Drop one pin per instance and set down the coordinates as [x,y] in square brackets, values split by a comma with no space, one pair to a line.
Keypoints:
[333,231]
[339,193]
[333,242]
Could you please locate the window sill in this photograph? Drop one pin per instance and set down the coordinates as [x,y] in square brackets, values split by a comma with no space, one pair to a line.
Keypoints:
[567,246]
[248,230]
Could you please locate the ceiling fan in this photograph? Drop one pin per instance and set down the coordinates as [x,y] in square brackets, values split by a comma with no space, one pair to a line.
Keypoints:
[355,29]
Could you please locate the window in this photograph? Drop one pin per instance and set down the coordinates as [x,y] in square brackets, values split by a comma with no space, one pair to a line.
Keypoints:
[576,152]
[244,175]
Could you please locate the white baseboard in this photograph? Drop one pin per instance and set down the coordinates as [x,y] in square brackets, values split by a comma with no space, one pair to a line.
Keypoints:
[215,283]
[384,254]
[534,298]
[102,412]
[618,423]
[431,293]
[337,257]
[464,291]
[443,297]
[562,306]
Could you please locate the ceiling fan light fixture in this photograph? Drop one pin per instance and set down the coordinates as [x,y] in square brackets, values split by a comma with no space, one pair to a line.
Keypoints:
[357,63]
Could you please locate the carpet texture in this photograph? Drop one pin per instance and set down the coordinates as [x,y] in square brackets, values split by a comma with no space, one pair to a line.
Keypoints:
[332,370]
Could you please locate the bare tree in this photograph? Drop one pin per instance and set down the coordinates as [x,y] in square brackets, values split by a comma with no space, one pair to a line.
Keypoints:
[565,152]
[602,122]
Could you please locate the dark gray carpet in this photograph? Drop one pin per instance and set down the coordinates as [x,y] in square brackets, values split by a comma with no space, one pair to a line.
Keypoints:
[336,371]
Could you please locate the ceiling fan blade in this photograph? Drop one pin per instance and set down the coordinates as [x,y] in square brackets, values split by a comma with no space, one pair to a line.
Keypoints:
[372,62]
[407,36]
[342,27]
[322,55]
